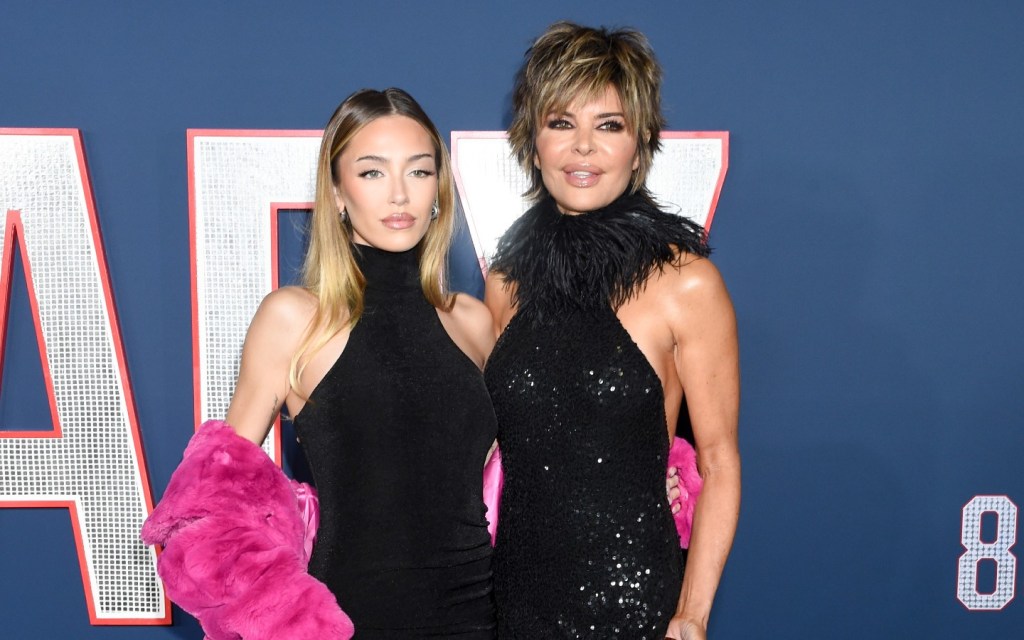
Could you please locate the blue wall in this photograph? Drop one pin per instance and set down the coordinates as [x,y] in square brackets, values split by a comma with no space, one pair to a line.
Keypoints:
[869,229]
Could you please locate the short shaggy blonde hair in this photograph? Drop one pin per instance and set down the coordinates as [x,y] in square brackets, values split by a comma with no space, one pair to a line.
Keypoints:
[569,62]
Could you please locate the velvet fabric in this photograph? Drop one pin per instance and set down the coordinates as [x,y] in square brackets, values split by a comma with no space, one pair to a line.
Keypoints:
[235,545]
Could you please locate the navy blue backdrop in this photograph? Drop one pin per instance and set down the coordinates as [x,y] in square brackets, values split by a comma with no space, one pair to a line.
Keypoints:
[869,230]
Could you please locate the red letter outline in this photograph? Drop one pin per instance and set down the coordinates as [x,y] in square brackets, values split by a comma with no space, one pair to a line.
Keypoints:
[14,227]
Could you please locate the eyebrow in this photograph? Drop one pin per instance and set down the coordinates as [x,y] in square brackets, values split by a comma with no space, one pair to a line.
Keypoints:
[383,160]
[599,116]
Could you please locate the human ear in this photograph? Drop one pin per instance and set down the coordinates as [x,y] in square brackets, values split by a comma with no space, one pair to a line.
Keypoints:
[338,200]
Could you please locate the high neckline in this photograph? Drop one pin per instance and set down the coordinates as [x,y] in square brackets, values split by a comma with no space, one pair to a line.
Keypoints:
[565,263]
[389,270]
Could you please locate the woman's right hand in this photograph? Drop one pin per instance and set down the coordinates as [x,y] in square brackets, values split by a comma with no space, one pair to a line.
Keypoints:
[681,629]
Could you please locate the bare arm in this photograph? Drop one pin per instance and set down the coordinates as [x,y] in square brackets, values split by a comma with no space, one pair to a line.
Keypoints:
[273,337]
[707,362]
[470,326]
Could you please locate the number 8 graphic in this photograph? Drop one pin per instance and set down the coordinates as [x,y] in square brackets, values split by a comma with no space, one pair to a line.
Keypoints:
[997,551]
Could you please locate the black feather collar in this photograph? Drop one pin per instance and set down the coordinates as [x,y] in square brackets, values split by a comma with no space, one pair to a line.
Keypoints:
[564,263]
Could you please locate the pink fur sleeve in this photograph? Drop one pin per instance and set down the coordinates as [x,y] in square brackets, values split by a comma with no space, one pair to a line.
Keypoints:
[684,459]
[234,545]
[494,481]
[309,509]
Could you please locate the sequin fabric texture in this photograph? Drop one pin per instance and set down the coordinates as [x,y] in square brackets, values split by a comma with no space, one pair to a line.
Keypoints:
[586,545]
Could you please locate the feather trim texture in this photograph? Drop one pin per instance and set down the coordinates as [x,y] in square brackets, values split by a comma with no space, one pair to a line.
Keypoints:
[565,263]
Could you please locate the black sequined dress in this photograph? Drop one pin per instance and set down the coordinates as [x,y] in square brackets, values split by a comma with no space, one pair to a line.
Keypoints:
[396,434]
[586,543]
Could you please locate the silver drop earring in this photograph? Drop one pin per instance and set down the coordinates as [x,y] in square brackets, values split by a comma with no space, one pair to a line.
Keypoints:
[343,214]
[434,211]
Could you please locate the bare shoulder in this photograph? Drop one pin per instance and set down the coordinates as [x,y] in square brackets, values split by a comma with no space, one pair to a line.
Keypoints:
[691,296]
[288,310]
[693,280]
[471,312]
[496,284]
[288,300]
[471,327]
[498,294]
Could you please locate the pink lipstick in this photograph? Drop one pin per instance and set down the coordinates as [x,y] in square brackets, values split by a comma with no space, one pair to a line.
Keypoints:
[399,221]
[582,175]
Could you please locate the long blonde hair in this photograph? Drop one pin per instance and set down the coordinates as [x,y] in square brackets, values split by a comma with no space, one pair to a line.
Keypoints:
[330,271]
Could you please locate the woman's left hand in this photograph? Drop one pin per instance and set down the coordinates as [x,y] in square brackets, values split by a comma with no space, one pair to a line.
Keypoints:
[682,629]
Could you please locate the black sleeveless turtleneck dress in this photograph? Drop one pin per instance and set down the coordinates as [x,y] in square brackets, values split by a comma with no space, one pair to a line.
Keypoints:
[396,434]
[586,543]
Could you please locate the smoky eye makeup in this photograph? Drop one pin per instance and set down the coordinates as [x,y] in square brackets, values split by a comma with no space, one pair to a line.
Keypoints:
[557,122]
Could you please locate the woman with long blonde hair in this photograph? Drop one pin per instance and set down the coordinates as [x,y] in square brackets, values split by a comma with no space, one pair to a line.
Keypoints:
[379,365]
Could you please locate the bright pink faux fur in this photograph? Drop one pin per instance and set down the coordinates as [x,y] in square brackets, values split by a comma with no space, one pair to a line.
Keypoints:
[494,482]
[233,552]
[684,459]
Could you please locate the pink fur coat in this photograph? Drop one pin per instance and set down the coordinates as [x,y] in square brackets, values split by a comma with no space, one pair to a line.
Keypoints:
[237,534]
[235,546]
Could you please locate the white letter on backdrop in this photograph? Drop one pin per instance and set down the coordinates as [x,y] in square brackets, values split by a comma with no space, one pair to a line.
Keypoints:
[91,460]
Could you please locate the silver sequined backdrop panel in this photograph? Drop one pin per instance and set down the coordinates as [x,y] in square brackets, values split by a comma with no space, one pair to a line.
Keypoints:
[996,551]
[685,175]
[491,184]
[237,175]
[95,463]
[685,178]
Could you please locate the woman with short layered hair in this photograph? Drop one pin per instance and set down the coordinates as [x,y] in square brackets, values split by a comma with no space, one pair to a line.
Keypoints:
[568,63]
[614,326]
